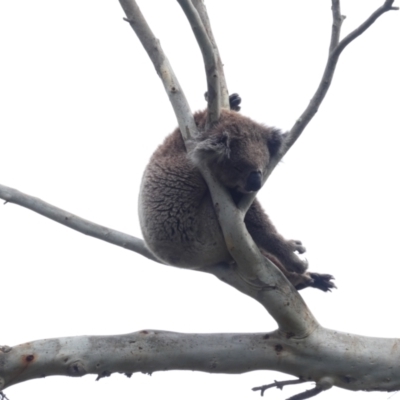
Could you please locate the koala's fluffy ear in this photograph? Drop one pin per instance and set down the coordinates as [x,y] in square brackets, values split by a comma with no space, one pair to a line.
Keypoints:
[275,141]
[213,148]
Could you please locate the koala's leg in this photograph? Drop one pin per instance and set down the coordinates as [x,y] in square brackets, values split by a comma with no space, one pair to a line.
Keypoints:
[267,237]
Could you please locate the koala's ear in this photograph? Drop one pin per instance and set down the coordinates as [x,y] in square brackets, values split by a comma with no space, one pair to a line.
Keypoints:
[213,148]
[274,141]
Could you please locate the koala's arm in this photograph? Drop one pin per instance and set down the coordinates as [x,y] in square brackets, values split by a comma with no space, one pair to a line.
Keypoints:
[267,238]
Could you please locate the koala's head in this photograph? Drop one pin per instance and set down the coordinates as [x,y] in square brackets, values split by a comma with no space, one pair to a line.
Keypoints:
[238,150]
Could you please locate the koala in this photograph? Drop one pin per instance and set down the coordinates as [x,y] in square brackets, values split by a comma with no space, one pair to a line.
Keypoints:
[177,216]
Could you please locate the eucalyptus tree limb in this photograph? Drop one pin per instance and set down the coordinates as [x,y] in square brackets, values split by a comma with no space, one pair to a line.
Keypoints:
[74,222]
[244,279]
[209,59]
[254,274]
[164,70]
[330,67]
[335,49]
[328,358]
[201,9]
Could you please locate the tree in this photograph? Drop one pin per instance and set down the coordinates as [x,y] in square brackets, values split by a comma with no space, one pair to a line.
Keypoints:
[58,184]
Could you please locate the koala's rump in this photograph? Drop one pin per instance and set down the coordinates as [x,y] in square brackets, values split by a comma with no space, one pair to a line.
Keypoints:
[177,218]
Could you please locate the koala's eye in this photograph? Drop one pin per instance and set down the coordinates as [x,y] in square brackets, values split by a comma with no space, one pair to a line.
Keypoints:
[238,169]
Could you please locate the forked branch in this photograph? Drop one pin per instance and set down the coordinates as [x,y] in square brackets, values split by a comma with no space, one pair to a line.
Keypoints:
[335,49]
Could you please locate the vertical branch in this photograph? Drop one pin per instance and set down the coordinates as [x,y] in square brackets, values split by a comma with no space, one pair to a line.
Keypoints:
[209,58]
[164,70]
[201,9]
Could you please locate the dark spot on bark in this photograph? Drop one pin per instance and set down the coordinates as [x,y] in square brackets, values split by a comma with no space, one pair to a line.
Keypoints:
[66,359]
[132,341]
[289,335]
[278,348]
[76,369]
[140,348]
[29,358]
[144,332]
[347,378]
[266,336]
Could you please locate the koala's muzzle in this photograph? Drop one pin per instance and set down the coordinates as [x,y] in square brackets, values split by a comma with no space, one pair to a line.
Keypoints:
[253,182]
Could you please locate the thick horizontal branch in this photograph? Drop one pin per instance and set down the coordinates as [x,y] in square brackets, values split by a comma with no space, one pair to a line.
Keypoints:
[328,358]
[74,222]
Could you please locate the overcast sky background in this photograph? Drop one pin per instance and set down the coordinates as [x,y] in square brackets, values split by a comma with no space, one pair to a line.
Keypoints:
[82,109]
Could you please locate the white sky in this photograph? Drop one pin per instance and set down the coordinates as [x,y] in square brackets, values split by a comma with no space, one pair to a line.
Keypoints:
[81,112]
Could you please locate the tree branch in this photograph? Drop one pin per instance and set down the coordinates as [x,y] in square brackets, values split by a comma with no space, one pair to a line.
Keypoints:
[74,222]
[345,362]
[224,93]
[209,59]
[335,49]
[244,279]
[162,66]
[330,67]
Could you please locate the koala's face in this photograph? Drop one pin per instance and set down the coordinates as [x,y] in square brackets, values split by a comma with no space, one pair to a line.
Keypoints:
[238,150]
[244,164]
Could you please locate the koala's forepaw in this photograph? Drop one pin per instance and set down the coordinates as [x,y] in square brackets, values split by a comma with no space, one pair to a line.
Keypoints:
[297,246]
[234,101]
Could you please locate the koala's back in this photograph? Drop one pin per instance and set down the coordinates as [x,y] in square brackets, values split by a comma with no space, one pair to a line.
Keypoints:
[176,214]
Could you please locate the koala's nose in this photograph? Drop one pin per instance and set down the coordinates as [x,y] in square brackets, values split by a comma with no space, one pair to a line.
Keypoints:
[253,181]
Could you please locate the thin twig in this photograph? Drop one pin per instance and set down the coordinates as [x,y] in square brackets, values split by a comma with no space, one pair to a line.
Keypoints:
[210,61]
[278,385]
[164,70]
[74,222]
[336,24]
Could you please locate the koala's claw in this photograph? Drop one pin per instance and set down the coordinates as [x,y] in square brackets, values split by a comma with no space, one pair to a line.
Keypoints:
[297,246]
[318,281]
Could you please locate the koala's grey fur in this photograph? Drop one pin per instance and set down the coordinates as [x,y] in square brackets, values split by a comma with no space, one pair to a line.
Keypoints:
[176,212]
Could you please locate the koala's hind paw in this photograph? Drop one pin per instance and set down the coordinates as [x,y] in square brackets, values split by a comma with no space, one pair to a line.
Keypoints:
[297,246]
[318,281]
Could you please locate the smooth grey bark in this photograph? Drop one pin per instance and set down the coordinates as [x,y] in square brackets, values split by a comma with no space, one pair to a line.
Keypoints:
[326,357]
